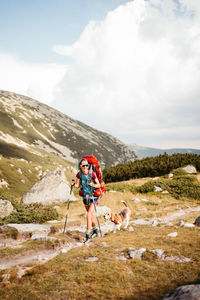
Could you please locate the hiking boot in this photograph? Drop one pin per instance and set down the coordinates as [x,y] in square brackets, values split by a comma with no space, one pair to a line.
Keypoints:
[94,232]
[87,237]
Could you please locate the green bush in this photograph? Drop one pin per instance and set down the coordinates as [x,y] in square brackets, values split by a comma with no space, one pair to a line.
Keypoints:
[180,186]
[33,213]
[178,172]
[147,187]
[150,167]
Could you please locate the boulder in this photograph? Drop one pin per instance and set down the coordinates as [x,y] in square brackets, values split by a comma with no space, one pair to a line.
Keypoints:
[6,208]
[185,292]
[197,221]
[52,188]
[41,229]
[190,169]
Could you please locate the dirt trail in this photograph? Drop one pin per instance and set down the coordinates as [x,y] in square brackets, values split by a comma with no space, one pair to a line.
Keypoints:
[169,217]
[41,256]
[34,257]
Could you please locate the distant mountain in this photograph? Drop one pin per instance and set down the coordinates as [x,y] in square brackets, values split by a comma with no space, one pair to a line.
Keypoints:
[143,152]
[30,130]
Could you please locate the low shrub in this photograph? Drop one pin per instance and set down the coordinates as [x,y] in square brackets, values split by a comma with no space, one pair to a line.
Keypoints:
[178,172]
[148,187]
[32,213]
[179,186]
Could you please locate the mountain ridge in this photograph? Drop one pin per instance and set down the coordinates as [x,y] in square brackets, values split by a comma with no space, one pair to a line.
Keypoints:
[35,127]
[143,151]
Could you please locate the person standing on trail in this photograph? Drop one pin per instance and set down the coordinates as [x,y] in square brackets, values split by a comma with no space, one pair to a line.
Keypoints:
[88,184]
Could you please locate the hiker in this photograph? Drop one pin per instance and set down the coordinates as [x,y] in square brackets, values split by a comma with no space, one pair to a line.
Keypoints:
[89,183]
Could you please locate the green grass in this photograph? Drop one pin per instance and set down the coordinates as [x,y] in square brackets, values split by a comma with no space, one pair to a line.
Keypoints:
[69,276]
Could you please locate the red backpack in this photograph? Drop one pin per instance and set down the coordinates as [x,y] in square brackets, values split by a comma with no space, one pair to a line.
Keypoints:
[94,166]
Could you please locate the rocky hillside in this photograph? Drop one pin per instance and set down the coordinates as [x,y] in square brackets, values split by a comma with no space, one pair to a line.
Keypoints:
[29,128]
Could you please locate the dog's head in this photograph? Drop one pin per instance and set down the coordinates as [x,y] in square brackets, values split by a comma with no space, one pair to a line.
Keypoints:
[112,217]
[107,215]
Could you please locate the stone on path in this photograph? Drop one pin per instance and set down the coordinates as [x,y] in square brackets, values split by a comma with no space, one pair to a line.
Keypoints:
[28,228]
[91,259]
[181,223]
[137,253]
[130,228]
[173,234]
[185,292]
[189,225]
[121,257]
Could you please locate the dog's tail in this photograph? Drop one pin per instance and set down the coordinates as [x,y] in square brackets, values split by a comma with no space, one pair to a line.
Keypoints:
[124,203]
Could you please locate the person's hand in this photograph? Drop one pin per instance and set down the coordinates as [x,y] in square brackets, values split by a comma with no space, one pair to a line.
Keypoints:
[73,182]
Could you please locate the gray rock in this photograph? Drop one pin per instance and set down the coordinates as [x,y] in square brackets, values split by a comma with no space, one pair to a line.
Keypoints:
[173,234]
[197,221]
[185,292]
[43,238]
[136,200]
[52,188]
[165,192]
[130,228]
[92,259]
[181,223]
[157,189]
[158,252]
[6,208]
[25,228]
[189,225]
[104,244]
[137,253]
[121,257]
[190,169]
[177,259]
[154,223]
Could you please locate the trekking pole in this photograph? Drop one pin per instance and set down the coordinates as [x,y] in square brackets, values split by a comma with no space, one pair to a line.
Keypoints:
[97,217]
[68,205]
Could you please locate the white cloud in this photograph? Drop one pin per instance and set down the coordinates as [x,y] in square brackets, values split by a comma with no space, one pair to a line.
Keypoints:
[136,73]
[38,81]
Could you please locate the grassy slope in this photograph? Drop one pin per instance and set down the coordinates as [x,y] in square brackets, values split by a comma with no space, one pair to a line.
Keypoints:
[69,276]
[30,167]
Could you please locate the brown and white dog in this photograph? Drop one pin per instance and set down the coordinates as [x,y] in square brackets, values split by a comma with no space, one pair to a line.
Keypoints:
[119,218]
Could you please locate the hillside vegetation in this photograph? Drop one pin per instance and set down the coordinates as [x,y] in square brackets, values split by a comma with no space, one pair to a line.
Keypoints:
[150,167]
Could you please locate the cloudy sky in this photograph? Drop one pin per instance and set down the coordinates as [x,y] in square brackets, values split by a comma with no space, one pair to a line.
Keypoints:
[129,68]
